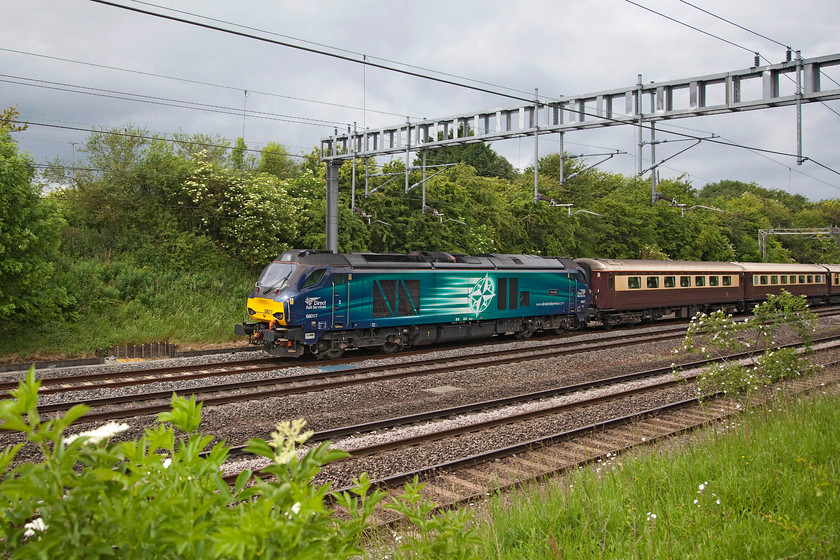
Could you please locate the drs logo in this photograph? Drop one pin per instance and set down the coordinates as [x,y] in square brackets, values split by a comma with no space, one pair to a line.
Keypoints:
[482,294]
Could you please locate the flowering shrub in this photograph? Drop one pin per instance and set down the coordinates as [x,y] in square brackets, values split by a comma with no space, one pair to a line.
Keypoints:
[161,497]
[718,335]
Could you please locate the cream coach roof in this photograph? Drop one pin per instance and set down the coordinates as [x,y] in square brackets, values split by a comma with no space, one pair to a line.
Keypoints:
[674,267]
[784,268]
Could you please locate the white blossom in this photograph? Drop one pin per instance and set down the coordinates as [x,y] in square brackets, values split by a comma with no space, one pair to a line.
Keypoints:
[35,525]
[101,433]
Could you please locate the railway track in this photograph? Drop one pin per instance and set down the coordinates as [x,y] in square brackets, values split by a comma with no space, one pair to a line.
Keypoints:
[337,376]
[471,477]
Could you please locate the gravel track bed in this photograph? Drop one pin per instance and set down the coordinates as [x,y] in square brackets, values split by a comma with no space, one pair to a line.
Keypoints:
[237,422]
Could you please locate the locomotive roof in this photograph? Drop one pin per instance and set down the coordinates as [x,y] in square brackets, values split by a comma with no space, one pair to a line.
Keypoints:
[424,259]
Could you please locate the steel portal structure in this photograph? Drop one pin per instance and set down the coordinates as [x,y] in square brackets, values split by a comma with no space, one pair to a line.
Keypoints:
[675,99]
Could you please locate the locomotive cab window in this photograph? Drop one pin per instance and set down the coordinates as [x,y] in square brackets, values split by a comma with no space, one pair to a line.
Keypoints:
[685,281]
[634,282]
[699,281]
[339,279]
[714,280]
[670,281]
[314,278]
[652,281]
[524,299]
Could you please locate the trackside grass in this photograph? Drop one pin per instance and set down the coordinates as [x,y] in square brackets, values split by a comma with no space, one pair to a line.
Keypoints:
[765,485]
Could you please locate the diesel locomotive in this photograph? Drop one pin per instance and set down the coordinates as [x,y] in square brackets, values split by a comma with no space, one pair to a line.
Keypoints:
[328,303]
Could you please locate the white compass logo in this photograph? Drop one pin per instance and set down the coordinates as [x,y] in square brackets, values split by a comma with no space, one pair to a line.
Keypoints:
[482,294]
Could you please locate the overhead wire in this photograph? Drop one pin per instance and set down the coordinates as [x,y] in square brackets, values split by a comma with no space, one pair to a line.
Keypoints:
[309,49]
[203,83]
[163,101]
[339,49]
[143,137]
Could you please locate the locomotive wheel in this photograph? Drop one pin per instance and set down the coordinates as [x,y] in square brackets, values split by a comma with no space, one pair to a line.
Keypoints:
[527,333]
[392,344]
[326,351]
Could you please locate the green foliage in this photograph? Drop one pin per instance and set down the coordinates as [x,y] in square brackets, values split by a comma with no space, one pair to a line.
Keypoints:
[765,485]
[718,335]
[443,537]
[29,231]
[163,495]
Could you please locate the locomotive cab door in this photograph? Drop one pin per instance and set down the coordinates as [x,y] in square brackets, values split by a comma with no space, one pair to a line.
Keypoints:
[340,299]
[579,283]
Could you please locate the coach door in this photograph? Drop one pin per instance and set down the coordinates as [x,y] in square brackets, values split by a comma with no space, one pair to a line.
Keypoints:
[340,299]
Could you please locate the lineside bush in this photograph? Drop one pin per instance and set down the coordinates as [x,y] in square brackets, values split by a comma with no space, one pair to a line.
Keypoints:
[159,497]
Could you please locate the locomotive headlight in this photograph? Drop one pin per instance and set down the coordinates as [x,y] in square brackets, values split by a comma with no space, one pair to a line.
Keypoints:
[278,315]
[251,311]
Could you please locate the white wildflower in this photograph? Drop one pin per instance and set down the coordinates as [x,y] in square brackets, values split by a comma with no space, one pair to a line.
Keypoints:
[296,508]
[35,525]
[99,434]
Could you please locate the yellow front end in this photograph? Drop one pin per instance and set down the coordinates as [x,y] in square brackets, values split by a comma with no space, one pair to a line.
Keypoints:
[266,310]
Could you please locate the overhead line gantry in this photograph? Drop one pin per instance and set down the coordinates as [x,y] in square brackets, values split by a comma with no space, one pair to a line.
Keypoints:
[571,113]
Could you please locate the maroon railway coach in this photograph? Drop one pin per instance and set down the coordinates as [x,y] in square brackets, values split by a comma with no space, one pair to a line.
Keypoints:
[632,291]
[763,279]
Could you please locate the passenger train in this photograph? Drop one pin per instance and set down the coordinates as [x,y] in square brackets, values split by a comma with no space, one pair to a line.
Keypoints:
[328,303]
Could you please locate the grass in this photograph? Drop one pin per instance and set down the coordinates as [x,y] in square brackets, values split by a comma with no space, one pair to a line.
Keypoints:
[120,302]
[765,485]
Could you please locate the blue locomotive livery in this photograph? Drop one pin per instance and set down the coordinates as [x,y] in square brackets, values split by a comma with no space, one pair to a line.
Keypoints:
[329,303]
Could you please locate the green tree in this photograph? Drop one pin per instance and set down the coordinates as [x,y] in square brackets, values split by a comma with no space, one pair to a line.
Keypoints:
[30,226]
[479,155]
[9,120]
[275,160]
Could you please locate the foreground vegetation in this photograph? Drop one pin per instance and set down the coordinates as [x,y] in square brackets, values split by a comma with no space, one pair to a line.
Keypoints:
[149,238]
[764,485]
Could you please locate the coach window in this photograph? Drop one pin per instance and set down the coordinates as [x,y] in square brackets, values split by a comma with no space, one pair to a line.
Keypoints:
[727,280]
[784,279]
[837,279]
[802,279]
[819,279]
[774,279]
[670,281]
[634,282]
[714,280]
[764,279]
[810,279]
[314,278]
[685,281]
[793,279]
[653,281]
[699,281]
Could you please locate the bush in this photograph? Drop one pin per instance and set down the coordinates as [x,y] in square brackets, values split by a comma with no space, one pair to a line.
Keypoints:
[160,497]
[718,334]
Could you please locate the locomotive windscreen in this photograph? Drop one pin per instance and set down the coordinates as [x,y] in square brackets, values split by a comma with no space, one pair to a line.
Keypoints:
[275,277]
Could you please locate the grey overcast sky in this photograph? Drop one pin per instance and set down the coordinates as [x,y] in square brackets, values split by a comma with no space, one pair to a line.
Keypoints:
[81,64]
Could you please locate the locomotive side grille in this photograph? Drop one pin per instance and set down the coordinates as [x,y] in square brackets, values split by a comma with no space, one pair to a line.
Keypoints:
[396,298]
